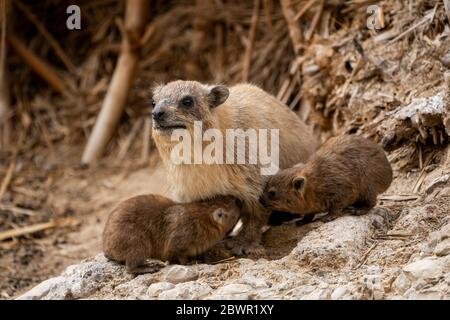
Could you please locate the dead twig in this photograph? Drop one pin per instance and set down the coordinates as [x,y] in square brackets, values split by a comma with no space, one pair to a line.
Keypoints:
[7,179]
[251,40]
[304,10]
[366,255]
[314,22]
[130,138]
[51,40]
[423,173]
[17,210]
[267,12]
[428,18]
[447,9]
[393,236]
[35,228]
[225,260]
[34,62]
[5,112]
[400,197]
[294,29]
[146,139]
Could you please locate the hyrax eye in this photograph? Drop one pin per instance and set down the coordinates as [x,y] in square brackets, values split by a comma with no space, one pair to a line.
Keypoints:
[153,103]
[272,193]
[187,102]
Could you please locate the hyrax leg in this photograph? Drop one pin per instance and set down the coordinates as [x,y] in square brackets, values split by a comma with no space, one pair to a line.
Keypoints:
[364,205]
[141,266]
[277,218]
[333,213]
[217,253]
[248,241]
[182,260]
[306,219]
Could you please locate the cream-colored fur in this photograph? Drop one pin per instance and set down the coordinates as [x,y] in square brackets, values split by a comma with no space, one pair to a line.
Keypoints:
[246,107]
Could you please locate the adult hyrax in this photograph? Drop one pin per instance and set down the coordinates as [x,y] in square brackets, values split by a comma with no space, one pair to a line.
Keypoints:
[155,227]
[346,170]
[178,104]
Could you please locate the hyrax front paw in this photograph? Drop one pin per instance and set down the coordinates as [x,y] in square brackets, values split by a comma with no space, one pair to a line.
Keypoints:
[217,253]
[255,251]
[241,248]
[149,266]
[333,213]
[359,211]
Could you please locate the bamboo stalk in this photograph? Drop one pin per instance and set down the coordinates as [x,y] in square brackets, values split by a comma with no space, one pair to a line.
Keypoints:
[121,82]
[112,107]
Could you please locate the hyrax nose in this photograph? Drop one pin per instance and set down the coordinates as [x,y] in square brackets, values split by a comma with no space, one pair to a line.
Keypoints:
[158,114]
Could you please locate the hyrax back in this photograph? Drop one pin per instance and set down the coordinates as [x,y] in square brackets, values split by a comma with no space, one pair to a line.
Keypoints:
[155,227]
[178,104]
[346,170]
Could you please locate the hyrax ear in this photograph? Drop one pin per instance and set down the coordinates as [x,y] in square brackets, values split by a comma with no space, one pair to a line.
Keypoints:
[218,95]
[299,183]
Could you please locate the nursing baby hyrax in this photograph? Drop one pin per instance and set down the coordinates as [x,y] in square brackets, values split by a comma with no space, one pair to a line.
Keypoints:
[155,227]
[178,104]
[346,170]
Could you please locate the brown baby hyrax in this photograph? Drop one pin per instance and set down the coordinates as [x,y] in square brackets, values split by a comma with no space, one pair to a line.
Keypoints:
[154,227]
[181,104]
[346,171]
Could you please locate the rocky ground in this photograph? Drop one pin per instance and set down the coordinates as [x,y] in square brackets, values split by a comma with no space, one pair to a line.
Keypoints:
[400,250]
[390,85]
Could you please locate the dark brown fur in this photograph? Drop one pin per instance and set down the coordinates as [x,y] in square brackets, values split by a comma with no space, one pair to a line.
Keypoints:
[155,227]
[346,170]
